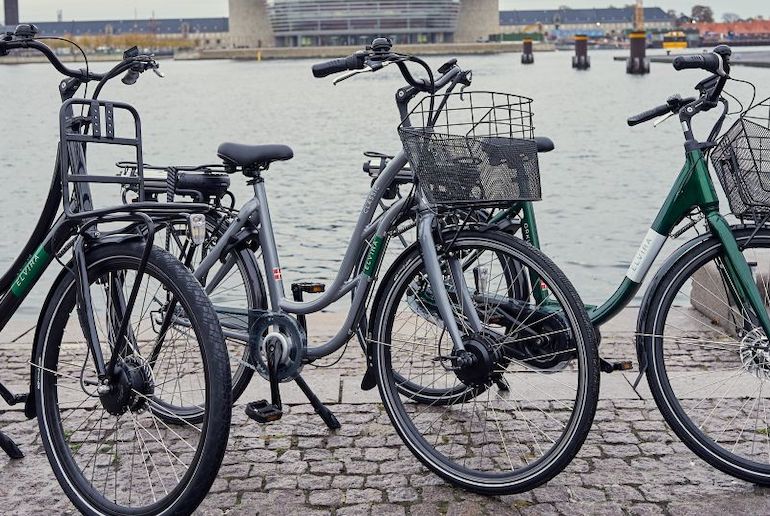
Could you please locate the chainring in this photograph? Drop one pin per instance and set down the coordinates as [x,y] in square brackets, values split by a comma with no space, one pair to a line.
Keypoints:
[293,354]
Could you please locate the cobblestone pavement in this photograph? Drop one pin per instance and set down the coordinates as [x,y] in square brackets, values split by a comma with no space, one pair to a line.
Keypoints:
[631,464]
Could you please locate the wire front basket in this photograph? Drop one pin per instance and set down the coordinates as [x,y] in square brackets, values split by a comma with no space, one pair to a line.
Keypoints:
[473,149]
[742,163]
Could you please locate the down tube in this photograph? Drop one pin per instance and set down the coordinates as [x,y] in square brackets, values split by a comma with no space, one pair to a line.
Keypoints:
[692,188]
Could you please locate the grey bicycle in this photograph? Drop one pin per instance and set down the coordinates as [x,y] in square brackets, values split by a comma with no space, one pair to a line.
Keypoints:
[444,343]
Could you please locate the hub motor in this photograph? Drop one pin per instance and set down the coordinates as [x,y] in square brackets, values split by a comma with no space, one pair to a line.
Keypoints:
[130,387]
[755,353]
[481,364]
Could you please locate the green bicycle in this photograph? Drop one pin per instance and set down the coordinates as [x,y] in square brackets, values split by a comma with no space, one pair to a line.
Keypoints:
[709,384]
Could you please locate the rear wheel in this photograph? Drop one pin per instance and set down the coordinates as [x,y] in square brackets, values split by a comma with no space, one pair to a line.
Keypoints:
[234,285]
[128,450]
[509,426]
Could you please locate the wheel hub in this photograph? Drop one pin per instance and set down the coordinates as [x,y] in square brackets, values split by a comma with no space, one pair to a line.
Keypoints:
[130,387]
[479,364]
[755,354]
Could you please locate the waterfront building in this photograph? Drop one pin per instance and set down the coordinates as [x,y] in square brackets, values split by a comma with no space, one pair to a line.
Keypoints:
[563,23]
[292,23]
[204,32]
[753,31]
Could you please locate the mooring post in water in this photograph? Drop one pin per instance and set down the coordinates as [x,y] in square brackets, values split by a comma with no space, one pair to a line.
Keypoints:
[580,60]
[638,64]
[527,57]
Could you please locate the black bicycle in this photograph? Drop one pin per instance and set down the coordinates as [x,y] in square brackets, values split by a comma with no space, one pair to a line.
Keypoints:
[129,378]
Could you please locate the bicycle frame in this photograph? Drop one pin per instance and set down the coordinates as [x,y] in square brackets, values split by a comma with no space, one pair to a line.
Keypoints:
[692,189]
[77,226]
[256,212]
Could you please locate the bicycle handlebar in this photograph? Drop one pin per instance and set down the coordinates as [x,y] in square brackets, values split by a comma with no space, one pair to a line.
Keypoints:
[18,44]
[709,62]
[377,56]
[648,115]
[718,63]
[134,63]
[355,61]
[673,105]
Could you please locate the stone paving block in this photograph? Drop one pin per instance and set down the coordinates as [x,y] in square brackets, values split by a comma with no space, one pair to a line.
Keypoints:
[352,393]
[631,463]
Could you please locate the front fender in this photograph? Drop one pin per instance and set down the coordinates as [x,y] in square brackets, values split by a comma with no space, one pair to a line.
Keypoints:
[29,407]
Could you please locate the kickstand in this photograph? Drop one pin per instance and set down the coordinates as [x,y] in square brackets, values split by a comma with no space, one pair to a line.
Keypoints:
[10,447]
[319,407]
[6,443]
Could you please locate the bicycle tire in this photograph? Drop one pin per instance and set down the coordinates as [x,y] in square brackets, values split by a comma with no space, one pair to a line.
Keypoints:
[59,443]
[677,406]
[579,420]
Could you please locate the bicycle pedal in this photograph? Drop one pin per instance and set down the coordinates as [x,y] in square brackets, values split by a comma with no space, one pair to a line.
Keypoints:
[308,288]
[263,412]
[611,367]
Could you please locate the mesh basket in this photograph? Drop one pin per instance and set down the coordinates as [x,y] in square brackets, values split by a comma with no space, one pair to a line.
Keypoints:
[477,151]
[742,163]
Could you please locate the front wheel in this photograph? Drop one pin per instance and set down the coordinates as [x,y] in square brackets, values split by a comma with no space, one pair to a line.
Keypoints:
[709,359]
[126,450]
[514,426]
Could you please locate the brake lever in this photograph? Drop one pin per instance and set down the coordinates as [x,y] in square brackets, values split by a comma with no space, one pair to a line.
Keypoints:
[348,75]
[662,119]
[159,73]
[369,68]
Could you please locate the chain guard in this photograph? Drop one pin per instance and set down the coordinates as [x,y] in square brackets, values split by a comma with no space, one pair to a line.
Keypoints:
[292,359]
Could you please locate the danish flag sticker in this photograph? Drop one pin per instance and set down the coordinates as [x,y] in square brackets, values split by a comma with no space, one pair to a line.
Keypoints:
[277,275]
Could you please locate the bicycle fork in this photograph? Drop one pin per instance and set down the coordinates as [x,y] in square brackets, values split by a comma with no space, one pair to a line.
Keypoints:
[738,270]
[120,310]
[438,285]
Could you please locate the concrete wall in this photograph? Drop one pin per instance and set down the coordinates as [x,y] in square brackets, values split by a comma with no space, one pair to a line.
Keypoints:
[250,24]
[478,20]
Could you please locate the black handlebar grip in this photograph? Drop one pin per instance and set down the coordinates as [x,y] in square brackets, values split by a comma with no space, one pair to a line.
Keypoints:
[343,64]
[649,115]
[709,62]
[131,77]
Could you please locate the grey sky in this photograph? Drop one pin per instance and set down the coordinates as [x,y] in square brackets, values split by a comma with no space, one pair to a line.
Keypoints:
[45,10]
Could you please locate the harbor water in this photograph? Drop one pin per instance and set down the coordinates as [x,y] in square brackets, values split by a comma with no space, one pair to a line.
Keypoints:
[602,186]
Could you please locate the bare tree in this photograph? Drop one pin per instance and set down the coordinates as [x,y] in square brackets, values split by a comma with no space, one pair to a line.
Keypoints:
[702,14]
[731,18]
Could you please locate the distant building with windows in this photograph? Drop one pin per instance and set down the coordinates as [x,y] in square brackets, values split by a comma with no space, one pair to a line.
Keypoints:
[594,22]
[292,23]
[202,31]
